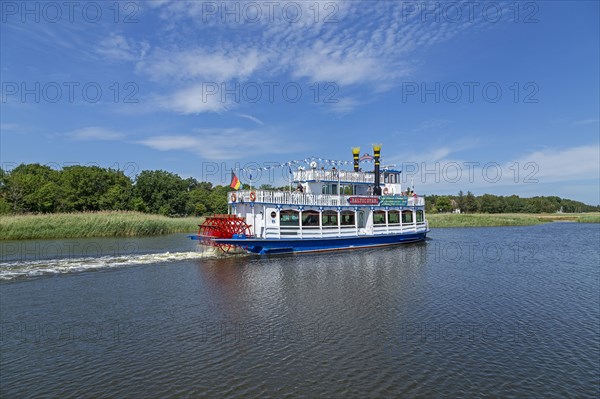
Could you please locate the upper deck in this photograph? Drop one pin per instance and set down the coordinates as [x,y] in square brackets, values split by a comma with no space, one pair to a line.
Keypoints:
[332,175]
[307,199]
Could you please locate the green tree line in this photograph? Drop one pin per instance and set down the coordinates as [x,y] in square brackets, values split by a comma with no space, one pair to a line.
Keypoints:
[488,203]
[35,188]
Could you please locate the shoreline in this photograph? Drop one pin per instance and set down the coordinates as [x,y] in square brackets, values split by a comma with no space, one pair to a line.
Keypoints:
[92,225]
[448,220]
[136,224]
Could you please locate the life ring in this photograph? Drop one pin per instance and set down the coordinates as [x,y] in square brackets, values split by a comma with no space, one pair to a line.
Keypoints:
[252,196]
[233,197]
[386,191]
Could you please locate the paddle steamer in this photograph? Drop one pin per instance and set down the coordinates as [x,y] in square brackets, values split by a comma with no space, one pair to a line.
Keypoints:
[324,209]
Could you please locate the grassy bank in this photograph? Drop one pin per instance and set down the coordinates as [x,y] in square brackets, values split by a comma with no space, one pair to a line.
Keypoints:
[506,219]
[97,224]
[115,224]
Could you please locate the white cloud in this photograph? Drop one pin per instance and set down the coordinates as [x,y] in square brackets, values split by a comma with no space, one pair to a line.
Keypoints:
[201,65]
[251,118]
[357,44]
[344,105]
[546,172]
[119,48]
[223,144]
[194,100]
[565,164]
[13,128]
[94,133]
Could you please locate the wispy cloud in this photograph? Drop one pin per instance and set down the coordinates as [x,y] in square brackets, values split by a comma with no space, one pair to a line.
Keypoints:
[565,164]
[201,65]
[94,133]
[432,125]
[13,128]
[223,144]
[119,48]
[586,122]
[534,173]
[193,100]
[353,44]
[251,118]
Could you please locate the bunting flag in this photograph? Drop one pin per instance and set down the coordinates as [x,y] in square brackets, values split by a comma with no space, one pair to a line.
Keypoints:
[235,182]
[307,161]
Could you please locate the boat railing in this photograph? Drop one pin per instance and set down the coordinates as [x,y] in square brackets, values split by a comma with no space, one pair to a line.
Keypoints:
[341,231]
[301,199]
[343,176]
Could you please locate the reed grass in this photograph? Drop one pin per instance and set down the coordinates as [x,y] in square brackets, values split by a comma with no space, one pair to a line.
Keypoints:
[92,224]
[115,224]
[505,219]
[589,218]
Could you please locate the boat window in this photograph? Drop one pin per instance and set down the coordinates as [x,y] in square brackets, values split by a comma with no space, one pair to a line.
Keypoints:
[330,189]
[330,218]
[289,218]
[419,216]
[347,218]
[310,218]
[393,217]
[379,217]
[361,219]
[407,217]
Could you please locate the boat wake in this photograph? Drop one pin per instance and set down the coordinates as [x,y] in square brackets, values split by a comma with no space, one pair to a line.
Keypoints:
[35,268]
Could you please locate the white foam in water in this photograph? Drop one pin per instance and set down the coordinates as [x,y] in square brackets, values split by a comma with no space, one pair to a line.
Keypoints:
[13,270]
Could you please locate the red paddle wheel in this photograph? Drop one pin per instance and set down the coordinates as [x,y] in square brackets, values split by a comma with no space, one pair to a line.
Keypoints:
[222,226]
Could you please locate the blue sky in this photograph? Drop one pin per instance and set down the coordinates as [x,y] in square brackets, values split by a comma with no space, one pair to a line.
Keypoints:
[487,97]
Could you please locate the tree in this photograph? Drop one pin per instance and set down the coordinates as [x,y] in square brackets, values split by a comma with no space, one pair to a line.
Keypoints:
[470,203]
[491,204]
[460,200]
[31,188]
[443,204]
[162,192]
[91,188]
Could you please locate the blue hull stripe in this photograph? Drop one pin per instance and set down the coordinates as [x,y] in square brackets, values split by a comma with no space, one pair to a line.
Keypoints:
[283,245]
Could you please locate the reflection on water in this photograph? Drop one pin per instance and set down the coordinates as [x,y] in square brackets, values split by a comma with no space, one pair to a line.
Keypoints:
[501,312]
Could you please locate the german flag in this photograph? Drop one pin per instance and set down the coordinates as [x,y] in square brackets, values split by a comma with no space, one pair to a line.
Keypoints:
[235,182]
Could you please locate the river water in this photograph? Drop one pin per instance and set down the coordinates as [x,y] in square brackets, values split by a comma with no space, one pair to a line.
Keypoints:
[474,312]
